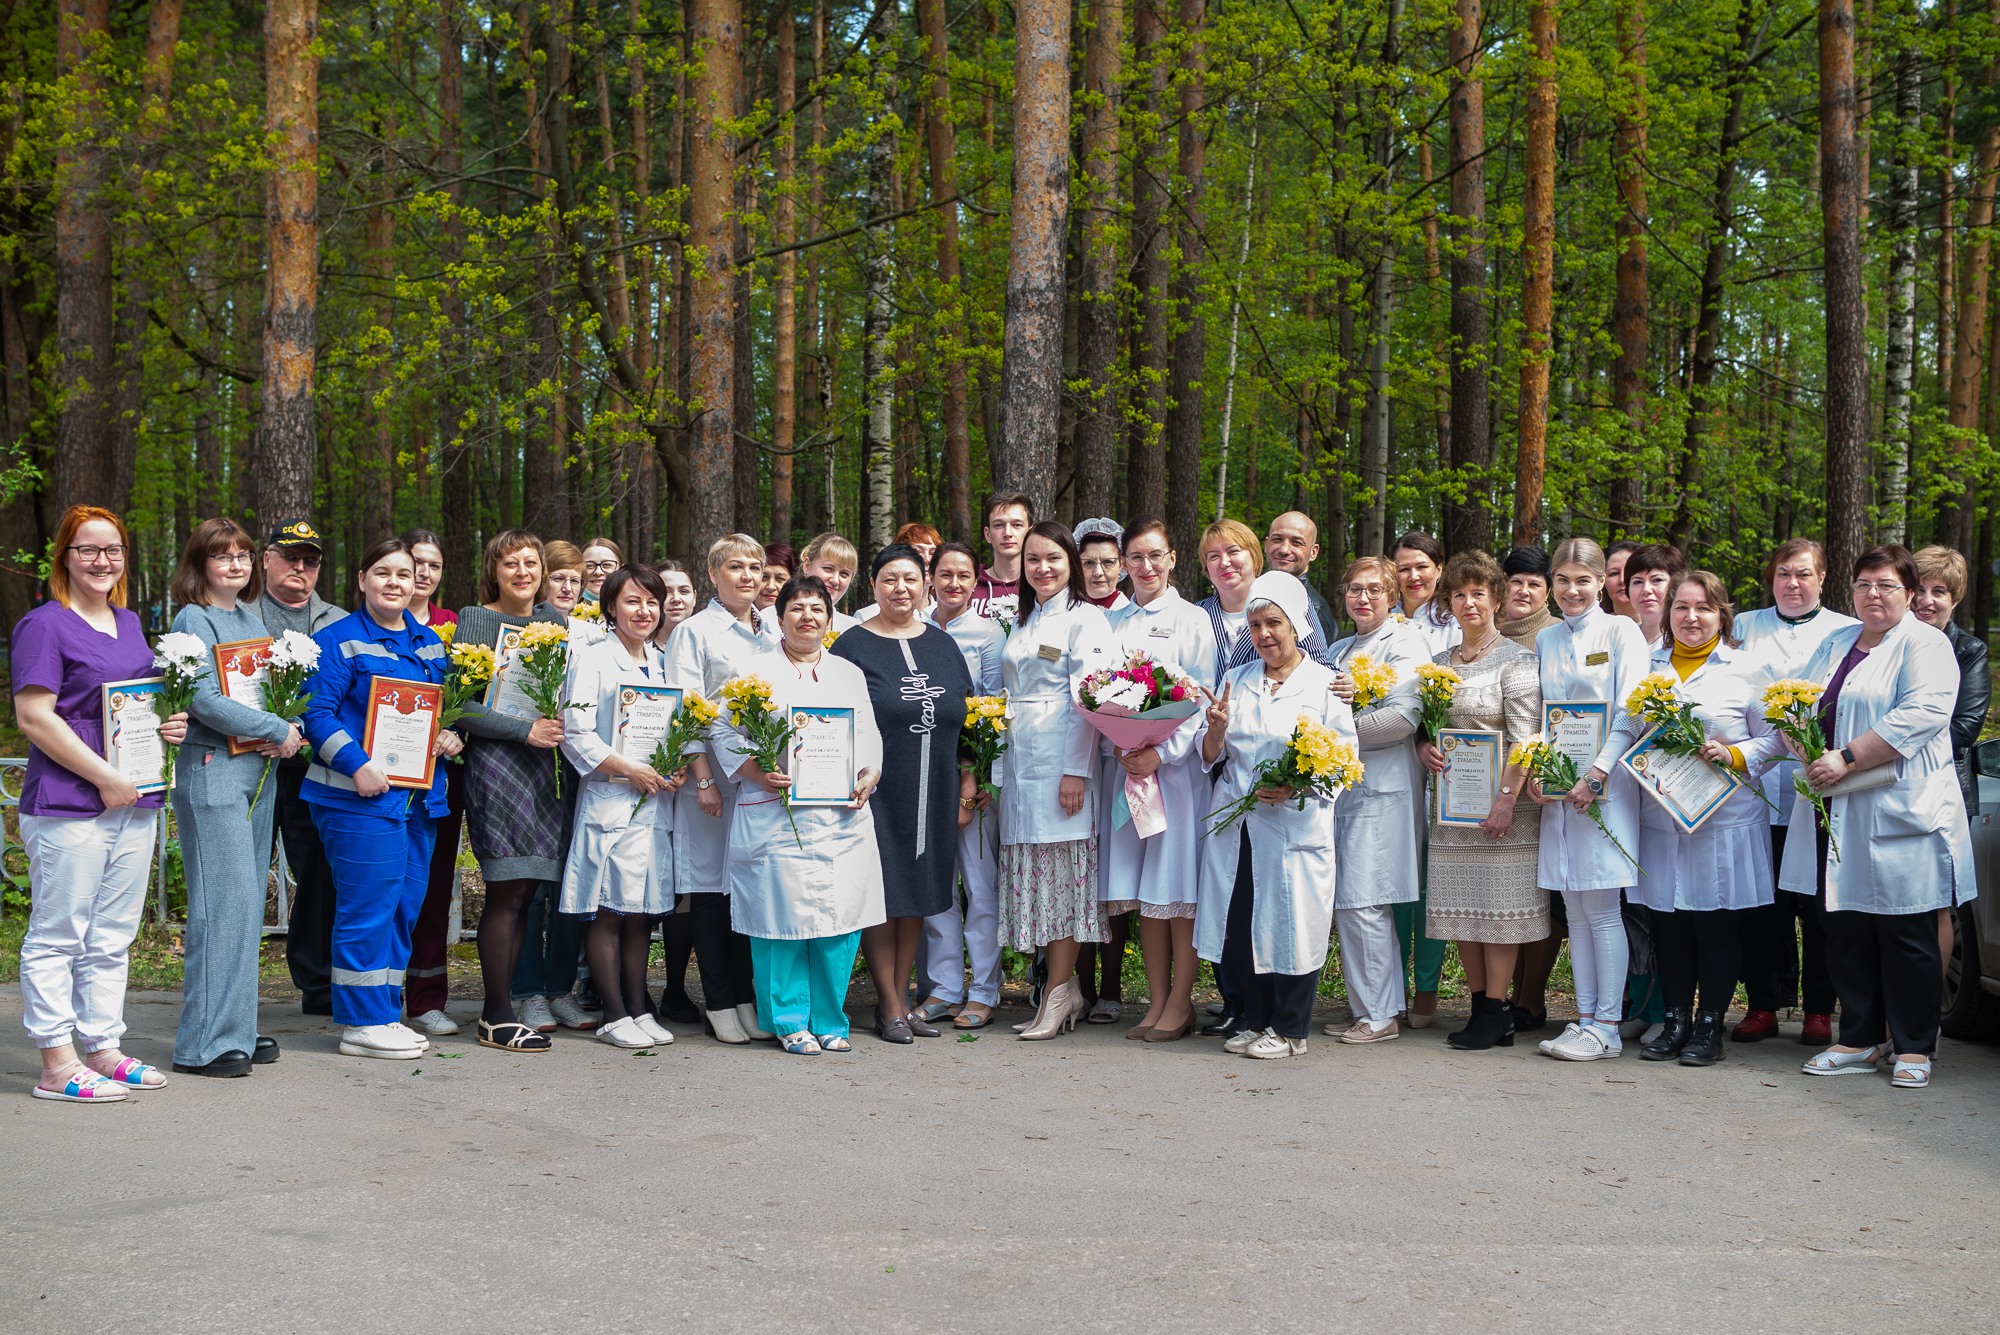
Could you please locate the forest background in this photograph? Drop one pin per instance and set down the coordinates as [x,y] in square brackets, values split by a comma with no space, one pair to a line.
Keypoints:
[1714,272]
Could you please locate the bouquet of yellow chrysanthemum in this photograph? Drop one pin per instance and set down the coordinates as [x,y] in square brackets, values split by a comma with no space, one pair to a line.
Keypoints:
[1792,706]
[1676,731]
[1318,762]
[688,729]
[1372,681]
[984,738]
[1437,687]
[542,657]
[447,633]
[588,612]
[1557,774]
[468,667]
[756,715]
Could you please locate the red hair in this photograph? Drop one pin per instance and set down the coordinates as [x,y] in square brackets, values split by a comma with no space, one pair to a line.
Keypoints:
[73,519]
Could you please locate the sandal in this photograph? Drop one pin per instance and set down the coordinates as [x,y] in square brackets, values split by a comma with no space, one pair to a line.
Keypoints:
[801,1044]
[512,1036]
[83,1086]
[1912,1074]
[131,1073]
[1843,1063]
[932,1011]
[968,1020]
[834,1043]
[1104,1011]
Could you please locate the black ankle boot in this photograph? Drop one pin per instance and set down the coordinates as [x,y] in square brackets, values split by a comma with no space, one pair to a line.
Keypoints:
[1492,1027]
[1674,1034]
[1472,1021]
[1705,1047]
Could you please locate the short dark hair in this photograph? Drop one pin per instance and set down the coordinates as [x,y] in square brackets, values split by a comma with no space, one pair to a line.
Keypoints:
[1525,560]
[954,548]
[804,586]
[896,551]
[781,554]
[1650,556]
[1419,541]
[386,547]
[1894,555]
[1791,550]
[1051,531]
[645,577]
[1003,499]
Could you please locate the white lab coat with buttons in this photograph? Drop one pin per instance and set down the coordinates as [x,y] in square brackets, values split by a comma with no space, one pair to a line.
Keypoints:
[1381,821]
[619,859]
[1292,856]
[1596,656]
[1777,650]
[1047,656]
[1905,848]
[705,650]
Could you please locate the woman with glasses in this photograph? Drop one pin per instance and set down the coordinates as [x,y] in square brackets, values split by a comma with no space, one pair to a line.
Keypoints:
[564,584]
[223,804]
[600,556]
[1905,850]
[88,831]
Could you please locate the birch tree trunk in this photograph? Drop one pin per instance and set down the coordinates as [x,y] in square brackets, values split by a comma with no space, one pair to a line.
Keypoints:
[878,359]
[1898,400]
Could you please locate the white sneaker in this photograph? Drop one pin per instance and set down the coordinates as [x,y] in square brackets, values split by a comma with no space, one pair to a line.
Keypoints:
[624,1033]
[1587,1045]
[534,1012]
[1271,1047]
[746,1015]
[1570,1030]
[388,1041]
[728,1029]
[1240,1041]
[435,1023]
[572,1016]
[416,1039]
[656,1031]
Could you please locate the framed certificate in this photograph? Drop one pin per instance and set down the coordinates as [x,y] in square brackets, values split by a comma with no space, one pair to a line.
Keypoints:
[1473,762]
[402,729]
[821,762]
[132,732]
[1688,788]
[241,669]
[645,713]
[504,694]
[1577,728]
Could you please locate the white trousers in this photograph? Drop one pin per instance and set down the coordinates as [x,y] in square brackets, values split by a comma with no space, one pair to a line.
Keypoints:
[1598,953]
[948,939]
[1372,962]
[87,890]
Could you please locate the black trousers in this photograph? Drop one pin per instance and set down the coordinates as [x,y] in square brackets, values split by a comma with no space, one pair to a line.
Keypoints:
[1702,950]
[722,954]
[1784,948]
[1886,968]
[309,934]
[1280,1002]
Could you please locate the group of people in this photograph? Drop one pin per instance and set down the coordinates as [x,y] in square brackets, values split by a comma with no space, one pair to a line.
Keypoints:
[927,866]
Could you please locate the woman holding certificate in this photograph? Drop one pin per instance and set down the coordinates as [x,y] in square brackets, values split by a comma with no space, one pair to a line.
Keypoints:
[1590,664]
[516,811]
[1380,838]
[224,818]
[1483,891]
[1701,883]
[620,869]
[1048,823]
[376,789]
[1896,848]
[805,879]
[86,823]
[917,684]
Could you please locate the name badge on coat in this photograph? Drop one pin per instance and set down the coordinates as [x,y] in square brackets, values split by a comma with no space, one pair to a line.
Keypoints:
[1598,659]
[1050,653]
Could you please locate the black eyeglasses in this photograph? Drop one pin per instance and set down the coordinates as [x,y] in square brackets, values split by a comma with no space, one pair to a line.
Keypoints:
[307,559]
[88,552]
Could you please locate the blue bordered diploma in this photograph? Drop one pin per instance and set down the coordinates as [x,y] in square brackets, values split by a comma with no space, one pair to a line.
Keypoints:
[821,762]
[504,694]
[1688,788]
[132,732]
[645,715]
[1473,763]
[1577,729]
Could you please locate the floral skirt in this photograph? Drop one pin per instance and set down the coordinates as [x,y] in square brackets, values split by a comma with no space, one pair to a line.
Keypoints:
[1047,892]
[1164,912]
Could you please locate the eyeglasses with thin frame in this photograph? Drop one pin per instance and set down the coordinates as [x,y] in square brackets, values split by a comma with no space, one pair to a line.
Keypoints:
[1158,558]
[231,558]
[1883,587]
[1369,591]
[89,551]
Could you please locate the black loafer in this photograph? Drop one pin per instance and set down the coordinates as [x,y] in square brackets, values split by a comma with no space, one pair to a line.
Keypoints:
[266,1051]
[1222,1028]
[228,1065]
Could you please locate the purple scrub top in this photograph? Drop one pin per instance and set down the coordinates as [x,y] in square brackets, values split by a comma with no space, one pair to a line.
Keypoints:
[58,650]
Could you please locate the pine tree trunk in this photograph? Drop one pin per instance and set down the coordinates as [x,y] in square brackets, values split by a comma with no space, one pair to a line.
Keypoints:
[1190,342]
[1846,311]
[86,470]
[286,434]
[1376,446]
[1145,466]
[1100,412]
[1467,524]
[1538,258]
[1630,314]
[784,295]
[716,34]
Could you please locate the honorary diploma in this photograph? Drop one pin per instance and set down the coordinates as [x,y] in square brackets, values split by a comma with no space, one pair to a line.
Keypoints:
[132,732]
[645,713]
[822,755]
[1577,729]
[1471,778]
[402,729]
[504,694]
[241,669]
[1689,788]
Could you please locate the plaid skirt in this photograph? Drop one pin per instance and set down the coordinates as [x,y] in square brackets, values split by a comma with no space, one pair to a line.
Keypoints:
[518,824]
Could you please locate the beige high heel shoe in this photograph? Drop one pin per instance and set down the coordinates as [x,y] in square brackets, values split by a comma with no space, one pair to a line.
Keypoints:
[1061,1008]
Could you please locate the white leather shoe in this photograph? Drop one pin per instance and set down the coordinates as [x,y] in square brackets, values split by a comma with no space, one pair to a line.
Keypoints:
[656,1031]
[415,1039]
[572,1016]
[1240,1041]
[746,1015]
[624,1033]
[378,1040]
[1271,1047]
[728,1029]
[1548,1045]
[435,1023]
[1586,1045]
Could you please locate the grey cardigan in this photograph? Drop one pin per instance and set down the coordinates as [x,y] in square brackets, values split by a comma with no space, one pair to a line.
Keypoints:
[213,718]
[476,625]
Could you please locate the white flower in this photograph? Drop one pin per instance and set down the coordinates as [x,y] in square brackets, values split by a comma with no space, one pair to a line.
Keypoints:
[1124,692]
[294,650]
[181,652]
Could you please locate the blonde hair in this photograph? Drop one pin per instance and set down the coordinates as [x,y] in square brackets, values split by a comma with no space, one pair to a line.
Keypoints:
[831,547]
[1579,552]
[1380,565]
[1946,564]
[560,555]
[734,544]
[1230,530]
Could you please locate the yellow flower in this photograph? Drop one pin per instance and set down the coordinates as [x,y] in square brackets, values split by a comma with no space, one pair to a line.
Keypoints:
[587,612]
[474,661]
[699,708]
[538,635]
[741,694]
[826,640]
[447,632]
[1654,691]
[1372,681]
[1527,752]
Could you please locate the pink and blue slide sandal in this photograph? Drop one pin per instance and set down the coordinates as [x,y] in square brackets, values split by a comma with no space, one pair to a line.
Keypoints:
[86,1086]
[131,1073]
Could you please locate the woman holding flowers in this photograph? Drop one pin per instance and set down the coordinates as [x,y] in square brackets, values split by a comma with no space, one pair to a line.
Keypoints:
[806,881]
[88,830]
[1266,895]
[951,941]
[516,811]
[1701,886]
[1048,823]
[225,822]
[917,686]
[1483,891]
[1379,826]
[378,839]
[1588,833]
[619,874]
[1889,685]
[1157,875]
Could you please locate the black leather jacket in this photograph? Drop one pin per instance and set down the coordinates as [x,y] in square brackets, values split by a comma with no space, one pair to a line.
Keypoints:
[1968,716]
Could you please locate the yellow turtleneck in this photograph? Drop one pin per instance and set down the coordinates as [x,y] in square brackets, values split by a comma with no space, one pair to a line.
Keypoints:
[1687,662]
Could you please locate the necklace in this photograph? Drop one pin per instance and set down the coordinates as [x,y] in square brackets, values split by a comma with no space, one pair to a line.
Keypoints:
[1466,659]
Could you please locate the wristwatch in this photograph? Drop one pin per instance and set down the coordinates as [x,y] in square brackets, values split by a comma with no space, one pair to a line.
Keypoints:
[1505,791]
[704,784]
[1594,784]
[1847,754]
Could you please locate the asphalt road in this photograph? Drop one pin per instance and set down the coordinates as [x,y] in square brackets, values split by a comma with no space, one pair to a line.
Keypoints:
[1082,1184]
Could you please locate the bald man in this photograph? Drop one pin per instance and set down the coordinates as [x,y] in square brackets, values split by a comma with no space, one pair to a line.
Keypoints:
[1292,545]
